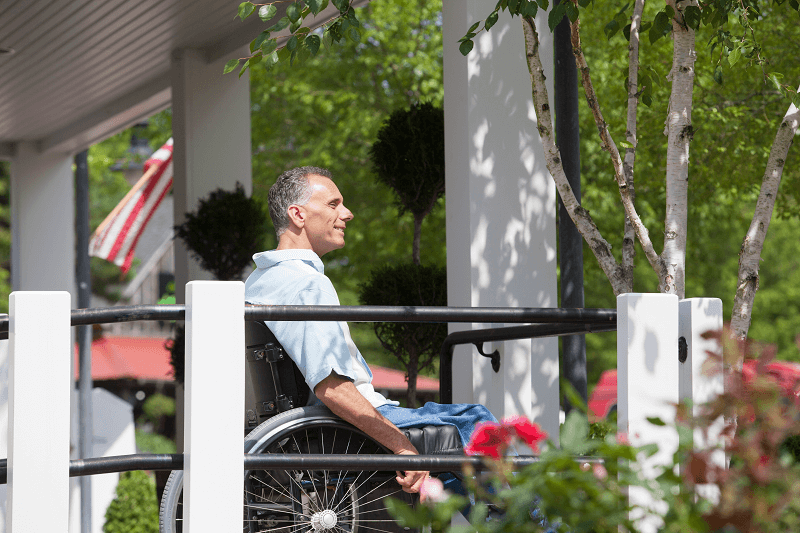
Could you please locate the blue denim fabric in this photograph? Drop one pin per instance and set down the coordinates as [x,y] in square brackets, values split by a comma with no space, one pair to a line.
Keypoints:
[463,416]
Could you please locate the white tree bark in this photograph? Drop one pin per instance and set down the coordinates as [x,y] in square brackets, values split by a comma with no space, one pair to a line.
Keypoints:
[750,255]
[581,217]
[679,134]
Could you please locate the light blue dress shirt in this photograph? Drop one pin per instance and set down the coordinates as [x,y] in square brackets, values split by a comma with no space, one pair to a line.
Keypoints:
[296,277]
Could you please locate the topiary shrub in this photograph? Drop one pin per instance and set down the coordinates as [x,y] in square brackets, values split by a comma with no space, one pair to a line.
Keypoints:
[409,157]
[135,508]
[415,345]
[225,231]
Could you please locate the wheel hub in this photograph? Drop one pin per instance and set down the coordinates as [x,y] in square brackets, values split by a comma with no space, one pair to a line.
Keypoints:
[323,520]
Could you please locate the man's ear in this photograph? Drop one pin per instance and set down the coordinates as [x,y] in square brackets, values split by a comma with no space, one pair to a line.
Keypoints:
[296,215]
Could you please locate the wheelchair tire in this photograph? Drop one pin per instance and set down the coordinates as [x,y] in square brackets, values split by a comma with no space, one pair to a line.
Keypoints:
[332,501]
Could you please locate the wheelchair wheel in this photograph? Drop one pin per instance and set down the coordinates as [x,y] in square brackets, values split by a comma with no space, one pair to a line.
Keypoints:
[300,501]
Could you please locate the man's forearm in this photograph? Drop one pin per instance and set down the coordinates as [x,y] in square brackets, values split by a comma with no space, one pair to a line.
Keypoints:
[342,397]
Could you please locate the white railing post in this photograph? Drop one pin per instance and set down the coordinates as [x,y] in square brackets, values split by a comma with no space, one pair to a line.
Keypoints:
[38,412]
[213,448]
[647,385]
[699,382]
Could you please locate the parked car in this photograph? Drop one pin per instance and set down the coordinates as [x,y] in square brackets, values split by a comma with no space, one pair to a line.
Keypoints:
[603,400]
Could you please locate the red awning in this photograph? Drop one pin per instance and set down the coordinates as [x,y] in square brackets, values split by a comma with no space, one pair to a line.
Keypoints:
[129,357]
[148,358]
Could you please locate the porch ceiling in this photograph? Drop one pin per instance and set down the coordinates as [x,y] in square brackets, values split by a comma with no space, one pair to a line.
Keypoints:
[82,70]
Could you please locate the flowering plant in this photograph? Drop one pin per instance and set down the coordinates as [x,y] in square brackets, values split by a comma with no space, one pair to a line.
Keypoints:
[582,486]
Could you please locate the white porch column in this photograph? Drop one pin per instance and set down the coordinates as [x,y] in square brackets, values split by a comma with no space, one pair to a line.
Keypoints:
[211,135]
[42,221]
[501,240]
[43,244]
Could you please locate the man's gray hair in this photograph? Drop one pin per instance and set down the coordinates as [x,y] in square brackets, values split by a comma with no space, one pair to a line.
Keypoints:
[291,188]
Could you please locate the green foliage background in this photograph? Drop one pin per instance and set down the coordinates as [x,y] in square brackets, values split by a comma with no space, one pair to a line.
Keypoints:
[135,509]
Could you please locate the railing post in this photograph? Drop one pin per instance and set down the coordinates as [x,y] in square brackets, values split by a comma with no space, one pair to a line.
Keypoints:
[38,411]
[698,316]
[647,385]
[214,405]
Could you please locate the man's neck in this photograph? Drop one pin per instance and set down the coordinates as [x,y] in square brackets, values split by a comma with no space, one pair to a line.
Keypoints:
[293,241]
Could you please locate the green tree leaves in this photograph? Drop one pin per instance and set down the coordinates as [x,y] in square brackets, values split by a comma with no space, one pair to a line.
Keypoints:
[266,12]
[300,48]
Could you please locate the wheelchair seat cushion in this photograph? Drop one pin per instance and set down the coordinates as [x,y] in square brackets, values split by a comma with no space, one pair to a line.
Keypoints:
[435,440]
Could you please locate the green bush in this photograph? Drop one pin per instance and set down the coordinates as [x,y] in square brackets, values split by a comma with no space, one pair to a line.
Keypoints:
[147,442]
[225,231]
[135,508]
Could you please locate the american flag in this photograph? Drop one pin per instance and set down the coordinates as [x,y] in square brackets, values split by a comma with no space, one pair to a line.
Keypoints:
[116,237]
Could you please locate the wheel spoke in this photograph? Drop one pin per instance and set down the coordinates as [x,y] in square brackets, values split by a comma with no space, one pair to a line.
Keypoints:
[286,501]
[278,487]
[375,499]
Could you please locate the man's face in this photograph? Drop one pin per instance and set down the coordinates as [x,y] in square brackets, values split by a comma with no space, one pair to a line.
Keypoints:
[326,216]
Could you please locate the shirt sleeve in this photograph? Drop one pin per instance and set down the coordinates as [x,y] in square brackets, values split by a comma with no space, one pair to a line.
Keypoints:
[318,348]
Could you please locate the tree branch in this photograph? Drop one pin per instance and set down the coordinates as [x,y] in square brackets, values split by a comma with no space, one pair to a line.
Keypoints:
[610,146]
[583,221]
[750,255]
[628,240]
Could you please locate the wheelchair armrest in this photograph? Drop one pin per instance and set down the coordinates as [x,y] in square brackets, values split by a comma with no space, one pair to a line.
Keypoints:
[435,440]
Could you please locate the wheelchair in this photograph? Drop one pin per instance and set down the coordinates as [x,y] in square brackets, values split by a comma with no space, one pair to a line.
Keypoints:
[279,420]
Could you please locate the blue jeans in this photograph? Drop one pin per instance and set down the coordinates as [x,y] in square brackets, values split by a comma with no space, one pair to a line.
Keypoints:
[463,416]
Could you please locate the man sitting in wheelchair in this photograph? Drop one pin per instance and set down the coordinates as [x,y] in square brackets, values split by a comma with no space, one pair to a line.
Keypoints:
[309,216]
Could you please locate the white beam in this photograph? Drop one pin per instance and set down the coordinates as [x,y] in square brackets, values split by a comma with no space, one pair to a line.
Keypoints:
[145,100]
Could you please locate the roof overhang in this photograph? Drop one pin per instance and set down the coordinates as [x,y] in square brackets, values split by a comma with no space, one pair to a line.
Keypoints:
[84,70]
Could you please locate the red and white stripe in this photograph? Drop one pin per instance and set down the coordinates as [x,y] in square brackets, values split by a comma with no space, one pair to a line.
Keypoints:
[116,238]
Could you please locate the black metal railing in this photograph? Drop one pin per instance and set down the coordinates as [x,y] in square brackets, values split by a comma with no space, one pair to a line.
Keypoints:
[541,322]
[377,462]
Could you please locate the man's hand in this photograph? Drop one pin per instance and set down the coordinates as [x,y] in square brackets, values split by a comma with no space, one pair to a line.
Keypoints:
[411,480]
[342,397]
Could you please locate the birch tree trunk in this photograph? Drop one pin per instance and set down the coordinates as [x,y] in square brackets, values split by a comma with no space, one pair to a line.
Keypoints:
[679,135]
[580,216]
[750,254]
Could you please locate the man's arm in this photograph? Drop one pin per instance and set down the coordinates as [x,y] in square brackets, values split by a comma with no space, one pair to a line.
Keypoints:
[342,397]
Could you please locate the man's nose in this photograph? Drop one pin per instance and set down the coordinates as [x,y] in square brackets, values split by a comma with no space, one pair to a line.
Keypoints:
[345,214]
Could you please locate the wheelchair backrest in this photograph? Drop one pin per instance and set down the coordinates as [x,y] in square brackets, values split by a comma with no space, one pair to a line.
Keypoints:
[273,383]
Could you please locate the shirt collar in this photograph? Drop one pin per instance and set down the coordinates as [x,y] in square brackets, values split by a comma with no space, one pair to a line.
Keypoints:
[271,258]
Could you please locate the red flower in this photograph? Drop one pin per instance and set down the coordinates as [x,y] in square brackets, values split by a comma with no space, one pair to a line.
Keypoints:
[526,430]
[488,439]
